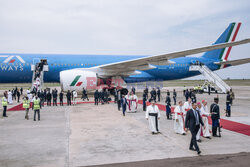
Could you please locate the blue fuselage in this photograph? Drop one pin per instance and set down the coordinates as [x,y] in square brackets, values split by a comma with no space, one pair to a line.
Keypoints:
[18,68]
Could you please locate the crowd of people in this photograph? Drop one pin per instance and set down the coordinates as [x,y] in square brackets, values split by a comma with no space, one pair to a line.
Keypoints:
[188,114]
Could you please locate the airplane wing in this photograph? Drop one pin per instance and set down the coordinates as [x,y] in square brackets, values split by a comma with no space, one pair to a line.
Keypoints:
[129,67]
[234,62]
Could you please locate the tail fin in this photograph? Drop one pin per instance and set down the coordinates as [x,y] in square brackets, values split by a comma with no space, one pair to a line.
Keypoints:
[229,35]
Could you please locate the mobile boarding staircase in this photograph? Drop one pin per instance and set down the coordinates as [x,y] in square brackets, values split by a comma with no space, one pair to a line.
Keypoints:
[211,77]
[34,68]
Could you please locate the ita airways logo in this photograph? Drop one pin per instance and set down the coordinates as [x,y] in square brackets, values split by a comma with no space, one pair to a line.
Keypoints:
[75,81]
[11,58]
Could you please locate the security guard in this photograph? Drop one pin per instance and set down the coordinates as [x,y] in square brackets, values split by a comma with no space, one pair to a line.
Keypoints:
[26,106]
[215,116]
[36,108]
[4,104]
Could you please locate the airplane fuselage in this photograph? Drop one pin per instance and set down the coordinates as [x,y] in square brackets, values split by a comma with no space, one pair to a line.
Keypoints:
[16,68]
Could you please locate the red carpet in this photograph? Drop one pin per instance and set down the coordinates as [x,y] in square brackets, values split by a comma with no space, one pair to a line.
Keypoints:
[19,107]
[226,124]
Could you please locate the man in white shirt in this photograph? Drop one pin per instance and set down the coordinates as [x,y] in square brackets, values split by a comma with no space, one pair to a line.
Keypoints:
[153,115]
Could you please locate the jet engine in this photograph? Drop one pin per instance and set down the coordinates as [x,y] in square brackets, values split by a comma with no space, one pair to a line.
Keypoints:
[77,80]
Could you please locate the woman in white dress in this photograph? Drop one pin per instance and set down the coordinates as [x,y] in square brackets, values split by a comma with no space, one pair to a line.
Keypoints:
[179,119]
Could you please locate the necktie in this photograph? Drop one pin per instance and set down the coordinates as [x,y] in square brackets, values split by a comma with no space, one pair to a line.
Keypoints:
[196,117]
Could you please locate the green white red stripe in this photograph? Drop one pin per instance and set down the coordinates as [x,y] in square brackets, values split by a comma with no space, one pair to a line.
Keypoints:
[231,37]
[75,81]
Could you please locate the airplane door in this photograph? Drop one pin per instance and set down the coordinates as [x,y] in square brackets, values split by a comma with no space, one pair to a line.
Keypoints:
[36,60]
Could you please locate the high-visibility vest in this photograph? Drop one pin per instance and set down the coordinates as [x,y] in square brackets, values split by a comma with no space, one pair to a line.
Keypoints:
[4,102]
[26,104]
[36,104]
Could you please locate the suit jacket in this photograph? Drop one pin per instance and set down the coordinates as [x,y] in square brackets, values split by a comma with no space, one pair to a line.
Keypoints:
[190,121]
[124,104]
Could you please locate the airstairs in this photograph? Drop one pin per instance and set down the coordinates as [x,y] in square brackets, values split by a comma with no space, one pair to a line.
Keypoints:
[211,77]
[38,74]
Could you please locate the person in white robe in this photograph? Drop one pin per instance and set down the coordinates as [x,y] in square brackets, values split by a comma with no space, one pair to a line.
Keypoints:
[205,113]
[187,106]
[132,102]
[198,135]
[29,95]
[153,116]
[74,97]
[10,101]
[179,119]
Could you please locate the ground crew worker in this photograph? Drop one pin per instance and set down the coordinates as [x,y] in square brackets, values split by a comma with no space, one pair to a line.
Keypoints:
[26,106]
[4,104]
[232,96]
[36,108]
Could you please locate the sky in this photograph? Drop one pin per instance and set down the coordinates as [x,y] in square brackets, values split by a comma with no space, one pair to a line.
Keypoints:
[131,27]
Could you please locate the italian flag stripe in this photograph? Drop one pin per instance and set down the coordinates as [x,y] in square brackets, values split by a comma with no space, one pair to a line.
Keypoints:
[233,39]
[75,80]
[228,36]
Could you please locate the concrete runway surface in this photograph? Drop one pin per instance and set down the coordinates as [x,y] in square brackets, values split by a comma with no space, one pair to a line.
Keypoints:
[85,135]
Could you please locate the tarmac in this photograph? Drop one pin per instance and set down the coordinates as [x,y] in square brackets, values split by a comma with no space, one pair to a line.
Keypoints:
[87,135]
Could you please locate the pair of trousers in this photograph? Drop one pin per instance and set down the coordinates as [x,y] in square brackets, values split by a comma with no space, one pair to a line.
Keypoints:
[96,101]
[27,113]
[38,113]
[4,111]
[54,102]
[69,102]
[119,104]
[168,111]
[61,102]
[193,141]
[144,105]
[228,109]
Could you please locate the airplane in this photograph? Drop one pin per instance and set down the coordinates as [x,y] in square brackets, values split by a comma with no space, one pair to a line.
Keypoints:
[75,72]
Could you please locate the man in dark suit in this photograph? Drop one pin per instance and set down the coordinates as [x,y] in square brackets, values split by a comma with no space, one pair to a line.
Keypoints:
[193,121]
[124,104]
[215,116]
[168,106]
[96,96]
